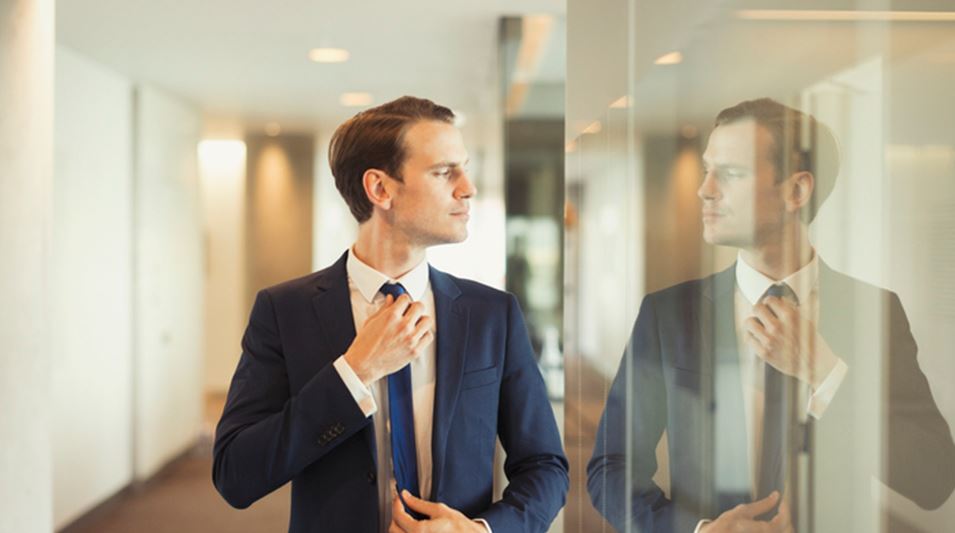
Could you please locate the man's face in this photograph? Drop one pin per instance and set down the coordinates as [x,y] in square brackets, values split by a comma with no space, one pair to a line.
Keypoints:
[431,206]
[742,203]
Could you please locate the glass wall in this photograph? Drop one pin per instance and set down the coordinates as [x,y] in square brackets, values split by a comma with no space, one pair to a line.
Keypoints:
[759,249]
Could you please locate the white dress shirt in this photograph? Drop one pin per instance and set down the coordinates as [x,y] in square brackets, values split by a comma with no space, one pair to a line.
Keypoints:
[750,287]
[364,283]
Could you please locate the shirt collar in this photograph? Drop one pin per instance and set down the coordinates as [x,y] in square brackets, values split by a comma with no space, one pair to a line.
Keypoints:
[369,281]
[753,283]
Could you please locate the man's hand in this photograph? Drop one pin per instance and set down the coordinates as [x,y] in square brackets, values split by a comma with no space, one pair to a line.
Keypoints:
[391,338]
[441,518]
[742,518]
[780,335]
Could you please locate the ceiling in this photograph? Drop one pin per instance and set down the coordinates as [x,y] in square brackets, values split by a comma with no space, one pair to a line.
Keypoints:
[244,63]
[727,59]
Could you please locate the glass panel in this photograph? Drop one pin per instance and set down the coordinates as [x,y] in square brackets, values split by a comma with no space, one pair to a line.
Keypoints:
[716,149]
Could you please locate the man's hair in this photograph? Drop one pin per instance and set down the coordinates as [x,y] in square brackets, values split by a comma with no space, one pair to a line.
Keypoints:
[800,143]
[374,138]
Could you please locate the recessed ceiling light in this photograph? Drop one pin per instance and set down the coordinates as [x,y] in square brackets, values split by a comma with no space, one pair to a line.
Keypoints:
[673,58]
[594,127]
[621,103]
[689,131]
[272,129]
[328,55]
[355,99]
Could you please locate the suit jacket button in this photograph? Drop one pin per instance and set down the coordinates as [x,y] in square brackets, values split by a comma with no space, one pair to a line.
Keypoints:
[372,478]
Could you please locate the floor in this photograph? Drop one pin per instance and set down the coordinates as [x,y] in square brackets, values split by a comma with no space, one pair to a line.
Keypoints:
[182,499]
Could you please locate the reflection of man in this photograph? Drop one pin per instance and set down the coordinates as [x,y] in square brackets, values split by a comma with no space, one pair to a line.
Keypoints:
[346,417]
[733,368]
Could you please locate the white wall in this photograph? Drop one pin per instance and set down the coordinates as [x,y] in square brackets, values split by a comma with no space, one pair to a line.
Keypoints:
[90,286]
[222,175]
[26,139]
[168,280]
[334,228]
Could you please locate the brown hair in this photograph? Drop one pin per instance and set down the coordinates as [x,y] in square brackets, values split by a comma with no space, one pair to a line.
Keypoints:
[800,144]
[374,138]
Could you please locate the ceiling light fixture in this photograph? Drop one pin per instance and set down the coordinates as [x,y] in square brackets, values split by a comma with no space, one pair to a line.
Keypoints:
[355,99]
[328,55]
[673,58]
[594,127]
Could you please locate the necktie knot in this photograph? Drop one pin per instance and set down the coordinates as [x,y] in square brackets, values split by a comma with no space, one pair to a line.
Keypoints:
[393,289]
[782,291]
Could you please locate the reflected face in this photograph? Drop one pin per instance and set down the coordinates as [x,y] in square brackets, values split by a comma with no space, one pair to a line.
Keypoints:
[743,205]
[431,204]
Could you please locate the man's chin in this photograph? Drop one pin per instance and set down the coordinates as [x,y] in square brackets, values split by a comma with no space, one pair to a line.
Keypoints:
[715,238]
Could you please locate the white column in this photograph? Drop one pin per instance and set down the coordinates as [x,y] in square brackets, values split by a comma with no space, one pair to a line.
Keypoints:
[26,150]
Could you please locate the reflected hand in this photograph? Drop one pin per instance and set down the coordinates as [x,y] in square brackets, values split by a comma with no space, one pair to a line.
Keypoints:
[782,337]
[742,518]
[441,518]
[390,339]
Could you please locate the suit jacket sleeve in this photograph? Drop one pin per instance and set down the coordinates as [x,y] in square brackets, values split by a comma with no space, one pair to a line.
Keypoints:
[921,455]
[266,435]
[641,505]
[536,467]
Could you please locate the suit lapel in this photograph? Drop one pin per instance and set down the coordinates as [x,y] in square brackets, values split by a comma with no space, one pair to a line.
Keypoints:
[333,309]
[451,319]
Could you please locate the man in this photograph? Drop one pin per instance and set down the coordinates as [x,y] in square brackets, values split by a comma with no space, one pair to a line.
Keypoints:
[380,371]
[734,370]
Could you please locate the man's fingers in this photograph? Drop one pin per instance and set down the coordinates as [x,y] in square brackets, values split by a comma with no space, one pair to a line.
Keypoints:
[424,507]
[413,315]
[752,510]
[756,328]
[783,309]
[781,522]
[395,528]
[401,517]
[400,305]
[766,317]
[421,328]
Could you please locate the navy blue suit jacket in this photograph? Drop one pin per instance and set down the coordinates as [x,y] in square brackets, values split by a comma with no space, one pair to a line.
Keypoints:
[683,334]
[289,416]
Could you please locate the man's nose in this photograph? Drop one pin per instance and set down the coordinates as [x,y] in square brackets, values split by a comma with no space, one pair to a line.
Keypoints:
[465,188]
[709,189]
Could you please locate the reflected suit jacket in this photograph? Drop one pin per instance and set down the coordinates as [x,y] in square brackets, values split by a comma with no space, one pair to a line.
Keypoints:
[289,416]
[683,334]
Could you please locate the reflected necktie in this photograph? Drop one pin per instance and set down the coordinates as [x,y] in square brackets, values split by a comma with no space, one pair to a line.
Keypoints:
[404,457]
[776,423]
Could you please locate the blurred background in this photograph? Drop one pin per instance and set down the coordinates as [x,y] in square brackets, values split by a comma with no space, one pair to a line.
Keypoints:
[162,161]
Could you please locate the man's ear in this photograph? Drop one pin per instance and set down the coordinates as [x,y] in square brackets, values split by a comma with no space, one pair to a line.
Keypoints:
[799,191]
[374,182]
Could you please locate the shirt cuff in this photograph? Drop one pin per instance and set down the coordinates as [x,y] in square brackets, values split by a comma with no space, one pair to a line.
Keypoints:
[484,523]
[700,525]
[360,392]
[820,398]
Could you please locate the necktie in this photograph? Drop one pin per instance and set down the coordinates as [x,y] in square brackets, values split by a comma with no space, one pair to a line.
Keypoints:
[776,418]
[404,457]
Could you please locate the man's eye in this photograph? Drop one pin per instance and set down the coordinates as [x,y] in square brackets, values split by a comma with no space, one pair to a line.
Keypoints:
[445,172]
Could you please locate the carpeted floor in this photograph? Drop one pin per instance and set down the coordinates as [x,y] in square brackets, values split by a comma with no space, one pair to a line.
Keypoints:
[182,499]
